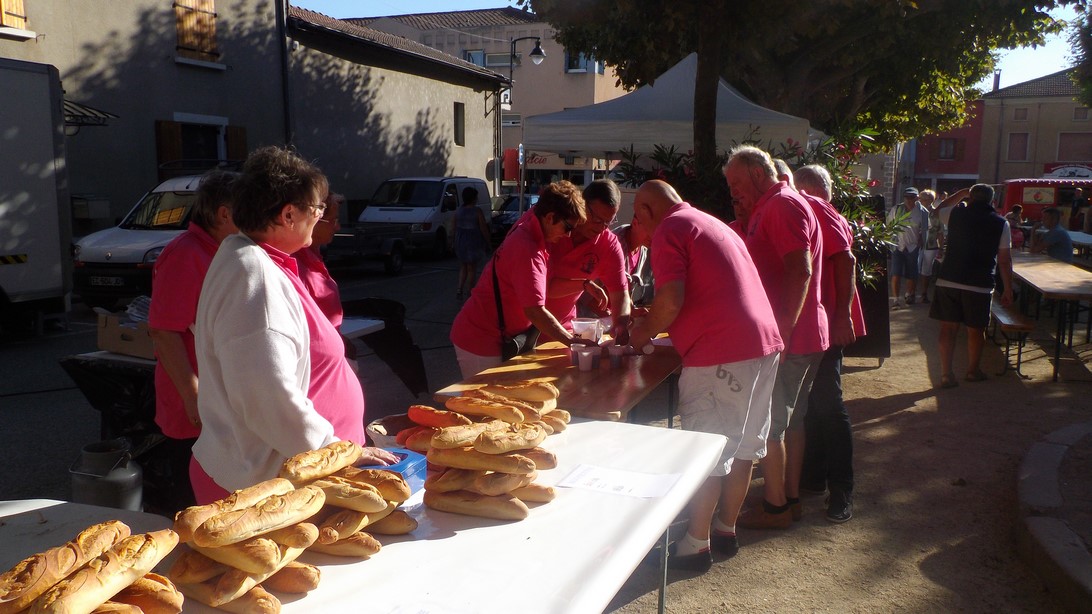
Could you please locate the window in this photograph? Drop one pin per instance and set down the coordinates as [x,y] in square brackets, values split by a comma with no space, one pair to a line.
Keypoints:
[195,22]
[1020,114]
[13,15]
[1074,146]
[1018,146]
[476,57]
[460,124]
[575,62]
[511,120]
[1080,114]
[946,149]
[500,59]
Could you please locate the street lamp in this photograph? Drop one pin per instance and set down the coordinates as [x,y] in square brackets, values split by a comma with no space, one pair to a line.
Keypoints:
[537,55]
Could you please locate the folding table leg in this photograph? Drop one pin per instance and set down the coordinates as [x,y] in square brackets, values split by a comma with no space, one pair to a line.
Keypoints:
[663,569]
[672,399]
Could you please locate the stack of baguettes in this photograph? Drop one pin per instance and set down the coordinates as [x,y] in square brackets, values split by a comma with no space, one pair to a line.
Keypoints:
[103,569]
[486,445]
[246,545]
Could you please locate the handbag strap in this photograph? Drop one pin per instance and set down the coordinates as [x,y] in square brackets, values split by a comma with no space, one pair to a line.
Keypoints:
[496,295]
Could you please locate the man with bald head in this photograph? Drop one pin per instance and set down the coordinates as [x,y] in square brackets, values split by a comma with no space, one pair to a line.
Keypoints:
[710,299]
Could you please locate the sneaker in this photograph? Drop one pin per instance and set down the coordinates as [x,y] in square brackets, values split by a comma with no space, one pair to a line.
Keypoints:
[896,305]
[699,561]
[911,299]
[724,543]
[839,506]
[758,518]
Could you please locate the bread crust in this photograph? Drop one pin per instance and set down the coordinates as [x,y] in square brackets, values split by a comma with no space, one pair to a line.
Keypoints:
[421,440]
[192,567]
[115,607]
[314,464]
[527,390]
[235,583]
[481,407]
[298,535]
[352,495]
[254,555]
[187,520]
[153,594]
[535,493]
[295,578]
[463,436]
[557,424]
[543,458]
[34,575]
[397,523]
[453,479]
[529,411]
[357,545]
[469,458]
[494,484]
[503,507]
[270,514]
[426,415]
[256,601]
[346,522]
[391,484]
[521,437]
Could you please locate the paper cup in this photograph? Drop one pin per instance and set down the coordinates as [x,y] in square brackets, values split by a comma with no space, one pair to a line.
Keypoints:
[586,357]
[617,352]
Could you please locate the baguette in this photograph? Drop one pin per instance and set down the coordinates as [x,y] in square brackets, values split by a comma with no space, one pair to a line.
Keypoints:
[236,583]
[522,437]
[153,594]
[438,418]
[187,521]
[273,513]
[297,536]
[526,390]
[397,523]
[493,484]
[358,496]
[33,576]
[421,441]
[546,427]
[404,434]
[358,545]
[543,459]
[469,458]
[463,436]
[255,555]
[529,411]
[191,567]
[503,507]
[481,407]
[296,577]
[452,480]
[346,522]
[114,607]
[107,574]
[562,415]
[391,484]
[557,424]
[256,601]
[535,493]
[315,464]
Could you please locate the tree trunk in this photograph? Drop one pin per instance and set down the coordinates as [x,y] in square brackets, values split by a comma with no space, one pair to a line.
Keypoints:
[706,83]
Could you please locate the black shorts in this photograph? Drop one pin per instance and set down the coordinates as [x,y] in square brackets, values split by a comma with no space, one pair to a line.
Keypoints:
[964,306]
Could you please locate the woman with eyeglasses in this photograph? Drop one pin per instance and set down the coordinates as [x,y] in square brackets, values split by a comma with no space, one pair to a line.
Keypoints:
[274,380]
[520,265]
[312,270]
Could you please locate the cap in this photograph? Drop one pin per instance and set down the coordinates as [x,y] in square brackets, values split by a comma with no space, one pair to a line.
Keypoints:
[911,191]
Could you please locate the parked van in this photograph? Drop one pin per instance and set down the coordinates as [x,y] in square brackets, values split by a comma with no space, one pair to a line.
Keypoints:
[116,264]
[1034,195]
[424,207]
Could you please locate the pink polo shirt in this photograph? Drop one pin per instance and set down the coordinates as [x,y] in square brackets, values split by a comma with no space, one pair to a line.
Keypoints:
[725,316]
[177,276]
[320,285]
[837,239]
[599,258]
[335,390]
[782,222]
[521,271]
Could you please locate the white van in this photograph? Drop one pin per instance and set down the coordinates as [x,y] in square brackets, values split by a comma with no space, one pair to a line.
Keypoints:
[116,264]
[424,205]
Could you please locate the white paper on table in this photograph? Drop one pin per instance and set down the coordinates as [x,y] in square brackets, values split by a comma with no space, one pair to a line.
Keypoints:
[619,481]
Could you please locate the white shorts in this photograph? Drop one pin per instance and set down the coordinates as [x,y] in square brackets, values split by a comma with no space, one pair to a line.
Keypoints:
[795,375]
[473,364]
[733,400]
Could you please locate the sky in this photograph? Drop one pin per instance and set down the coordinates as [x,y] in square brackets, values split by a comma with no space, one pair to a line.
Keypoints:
[1016,66]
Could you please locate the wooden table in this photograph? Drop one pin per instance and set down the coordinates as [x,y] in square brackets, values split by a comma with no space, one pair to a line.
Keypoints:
[1054,279]
[604,393]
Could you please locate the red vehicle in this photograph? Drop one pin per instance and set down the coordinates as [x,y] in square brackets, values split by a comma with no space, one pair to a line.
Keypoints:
[1034,195]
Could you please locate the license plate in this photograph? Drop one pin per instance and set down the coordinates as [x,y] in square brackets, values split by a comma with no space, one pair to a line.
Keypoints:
[106,281]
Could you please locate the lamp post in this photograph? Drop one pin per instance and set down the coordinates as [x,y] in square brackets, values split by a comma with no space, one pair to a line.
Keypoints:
[537,55]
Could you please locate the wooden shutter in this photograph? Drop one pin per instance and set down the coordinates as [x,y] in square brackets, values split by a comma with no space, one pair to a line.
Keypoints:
[235,141]
[168,145]
[195,22]
[13,15]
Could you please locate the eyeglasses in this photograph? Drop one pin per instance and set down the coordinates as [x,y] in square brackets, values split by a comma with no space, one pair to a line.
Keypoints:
[595,219]
[319,209]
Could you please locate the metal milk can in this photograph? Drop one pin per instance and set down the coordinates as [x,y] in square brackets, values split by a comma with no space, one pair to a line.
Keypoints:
[105,474]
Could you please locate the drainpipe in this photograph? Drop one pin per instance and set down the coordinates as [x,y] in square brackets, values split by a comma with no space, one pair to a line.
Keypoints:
[286,98]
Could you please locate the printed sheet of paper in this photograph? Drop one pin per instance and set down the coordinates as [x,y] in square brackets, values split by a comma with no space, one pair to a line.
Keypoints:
[619,481]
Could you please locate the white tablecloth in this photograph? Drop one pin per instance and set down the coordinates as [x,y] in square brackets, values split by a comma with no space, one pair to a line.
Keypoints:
[570,555]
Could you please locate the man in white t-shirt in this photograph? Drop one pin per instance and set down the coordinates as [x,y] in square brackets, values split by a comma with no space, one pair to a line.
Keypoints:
[904,260]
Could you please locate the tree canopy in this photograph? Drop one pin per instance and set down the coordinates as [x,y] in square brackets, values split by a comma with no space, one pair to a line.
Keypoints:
[903,67]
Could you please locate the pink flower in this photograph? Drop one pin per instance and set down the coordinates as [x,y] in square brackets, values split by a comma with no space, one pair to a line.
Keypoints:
[873,183]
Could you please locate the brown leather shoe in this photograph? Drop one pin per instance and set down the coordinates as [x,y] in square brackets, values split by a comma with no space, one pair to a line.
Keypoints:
[758,518]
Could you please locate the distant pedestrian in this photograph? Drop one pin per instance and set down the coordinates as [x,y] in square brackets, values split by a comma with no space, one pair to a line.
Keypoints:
[471,240]
[904,260]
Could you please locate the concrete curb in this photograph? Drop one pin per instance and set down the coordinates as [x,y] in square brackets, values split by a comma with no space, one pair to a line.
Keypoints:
[1056,554]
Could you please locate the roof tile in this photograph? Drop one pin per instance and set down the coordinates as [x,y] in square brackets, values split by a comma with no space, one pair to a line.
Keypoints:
[458,20]
[1057,84]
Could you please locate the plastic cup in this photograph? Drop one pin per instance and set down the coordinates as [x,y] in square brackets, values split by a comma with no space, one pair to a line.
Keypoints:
[617,352]
[586,328]
[586,357]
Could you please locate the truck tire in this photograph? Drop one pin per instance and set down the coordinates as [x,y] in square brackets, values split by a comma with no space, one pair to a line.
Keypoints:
[439,244]
[392,262]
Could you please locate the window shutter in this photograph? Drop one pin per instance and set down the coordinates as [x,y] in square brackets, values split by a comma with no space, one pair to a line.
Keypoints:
[13,15]
[195,22]
[235,139]
[168,145]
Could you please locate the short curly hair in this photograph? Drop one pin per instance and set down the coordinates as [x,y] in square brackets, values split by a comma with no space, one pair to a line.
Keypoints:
[563,199]
[213,192]
[273,177]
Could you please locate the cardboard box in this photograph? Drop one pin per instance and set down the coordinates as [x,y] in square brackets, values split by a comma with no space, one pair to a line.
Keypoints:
[119,335]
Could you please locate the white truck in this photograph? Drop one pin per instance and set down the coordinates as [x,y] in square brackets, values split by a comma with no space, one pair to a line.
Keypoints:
[35,208]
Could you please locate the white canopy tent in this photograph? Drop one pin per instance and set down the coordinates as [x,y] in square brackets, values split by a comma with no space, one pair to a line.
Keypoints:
[658,114]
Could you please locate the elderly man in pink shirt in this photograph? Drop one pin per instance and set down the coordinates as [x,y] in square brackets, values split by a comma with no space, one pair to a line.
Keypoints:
[591,260]
[785,242]
[710,299]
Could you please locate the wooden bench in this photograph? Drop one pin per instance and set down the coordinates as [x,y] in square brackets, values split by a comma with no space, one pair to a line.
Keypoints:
[1013,326]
